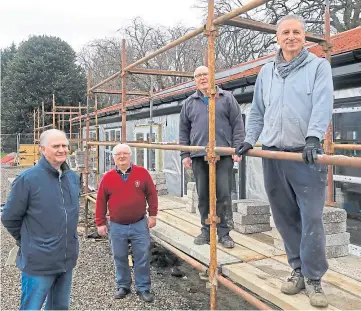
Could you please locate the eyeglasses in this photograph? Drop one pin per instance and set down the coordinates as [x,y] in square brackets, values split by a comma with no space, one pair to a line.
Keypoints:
[205,74]
[120,154]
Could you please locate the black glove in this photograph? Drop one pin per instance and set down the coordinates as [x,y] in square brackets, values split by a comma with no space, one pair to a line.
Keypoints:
[311,150]
[243,148]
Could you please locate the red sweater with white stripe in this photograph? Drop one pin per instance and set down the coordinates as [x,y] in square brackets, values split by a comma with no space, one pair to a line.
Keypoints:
[126,200]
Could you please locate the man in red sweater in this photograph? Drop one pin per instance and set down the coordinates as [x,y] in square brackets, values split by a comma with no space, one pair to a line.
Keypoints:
[125,192]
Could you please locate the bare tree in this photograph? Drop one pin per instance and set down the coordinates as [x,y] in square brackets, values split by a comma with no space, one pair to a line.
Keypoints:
[236,45]
[103,57]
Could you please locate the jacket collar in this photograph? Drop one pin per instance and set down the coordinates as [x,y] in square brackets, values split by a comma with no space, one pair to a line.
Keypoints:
[198,93]
[44,163]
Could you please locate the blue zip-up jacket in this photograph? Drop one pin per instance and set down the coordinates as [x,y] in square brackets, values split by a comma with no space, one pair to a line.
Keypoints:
[286,111]
[193,122]
[42,215]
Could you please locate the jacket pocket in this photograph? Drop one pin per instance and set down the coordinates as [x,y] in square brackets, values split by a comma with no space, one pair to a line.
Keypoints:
[270,133]
[47,253]
[291,134]
[72,250]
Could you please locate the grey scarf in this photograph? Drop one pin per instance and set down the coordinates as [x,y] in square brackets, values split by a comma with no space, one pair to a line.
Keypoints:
[284,68]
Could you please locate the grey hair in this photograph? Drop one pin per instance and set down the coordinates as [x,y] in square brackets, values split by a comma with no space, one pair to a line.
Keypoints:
[200,67]
[44,137]
[291,17]
[121,146]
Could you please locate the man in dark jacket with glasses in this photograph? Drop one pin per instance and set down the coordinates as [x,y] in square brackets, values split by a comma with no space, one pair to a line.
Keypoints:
[193,131]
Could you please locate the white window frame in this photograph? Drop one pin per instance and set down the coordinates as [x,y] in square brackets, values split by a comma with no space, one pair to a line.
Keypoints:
[142,129]
[108,157]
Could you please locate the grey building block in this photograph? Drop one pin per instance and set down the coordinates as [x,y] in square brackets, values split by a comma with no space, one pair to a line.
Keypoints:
[335,227]
[271,222]
[197,210]
[250,219]
[247,229]
[336,251]
[331,251]
[331,239]
[191,186]
[338,239]
[334,214]
[331,227]
[161,187]
[158,177]
[190,208]
[253,208]
[162,192]
[193,195]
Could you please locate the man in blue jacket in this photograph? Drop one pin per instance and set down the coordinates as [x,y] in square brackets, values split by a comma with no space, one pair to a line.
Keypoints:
[291,110]
[42,214]
[193,131]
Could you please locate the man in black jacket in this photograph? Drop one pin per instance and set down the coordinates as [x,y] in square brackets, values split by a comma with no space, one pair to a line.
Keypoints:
[42,214]
[193,131]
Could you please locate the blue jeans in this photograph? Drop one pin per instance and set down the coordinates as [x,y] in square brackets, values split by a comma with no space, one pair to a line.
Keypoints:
[55,288]
[138,235]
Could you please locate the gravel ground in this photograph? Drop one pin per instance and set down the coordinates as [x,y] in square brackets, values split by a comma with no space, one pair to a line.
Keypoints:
[94,283]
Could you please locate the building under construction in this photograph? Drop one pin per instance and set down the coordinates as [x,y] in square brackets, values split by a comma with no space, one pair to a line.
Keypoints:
[149,124]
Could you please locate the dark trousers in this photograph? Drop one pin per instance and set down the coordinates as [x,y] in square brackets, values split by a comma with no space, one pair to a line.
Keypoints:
[224,169]
[296,192]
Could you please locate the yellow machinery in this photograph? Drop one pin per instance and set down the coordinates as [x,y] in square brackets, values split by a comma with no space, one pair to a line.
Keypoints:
[28,154]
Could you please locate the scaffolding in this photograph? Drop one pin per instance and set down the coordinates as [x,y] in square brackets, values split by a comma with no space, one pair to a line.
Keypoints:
[209,30]
[59,119]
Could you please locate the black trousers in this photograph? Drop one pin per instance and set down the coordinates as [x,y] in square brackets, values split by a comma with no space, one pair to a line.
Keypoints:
[224,169]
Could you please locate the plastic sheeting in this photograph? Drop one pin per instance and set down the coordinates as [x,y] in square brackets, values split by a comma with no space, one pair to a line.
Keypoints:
[254,181]
[254,171]
[172,161]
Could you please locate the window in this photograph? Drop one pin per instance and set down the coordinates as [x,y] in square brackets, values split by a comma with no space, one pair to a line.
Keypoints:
[92,135]
[147,158]
[347,187]
[110,135]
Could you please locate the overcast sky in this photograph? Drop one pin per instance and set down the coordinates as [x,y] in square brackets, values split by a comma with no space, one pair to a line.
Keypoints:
[79,21]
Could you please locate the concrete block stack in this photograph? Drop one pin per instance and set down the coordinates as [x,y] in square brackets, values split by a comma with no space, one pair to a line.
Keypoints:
[71,161]
[160,182]
[337,239]
[80,159]
[192,198]
[251,216]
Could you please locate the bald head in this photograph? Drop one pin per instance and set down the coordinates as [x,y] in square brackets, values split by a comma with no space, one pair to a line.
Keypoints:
[201,79]
[200,70]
